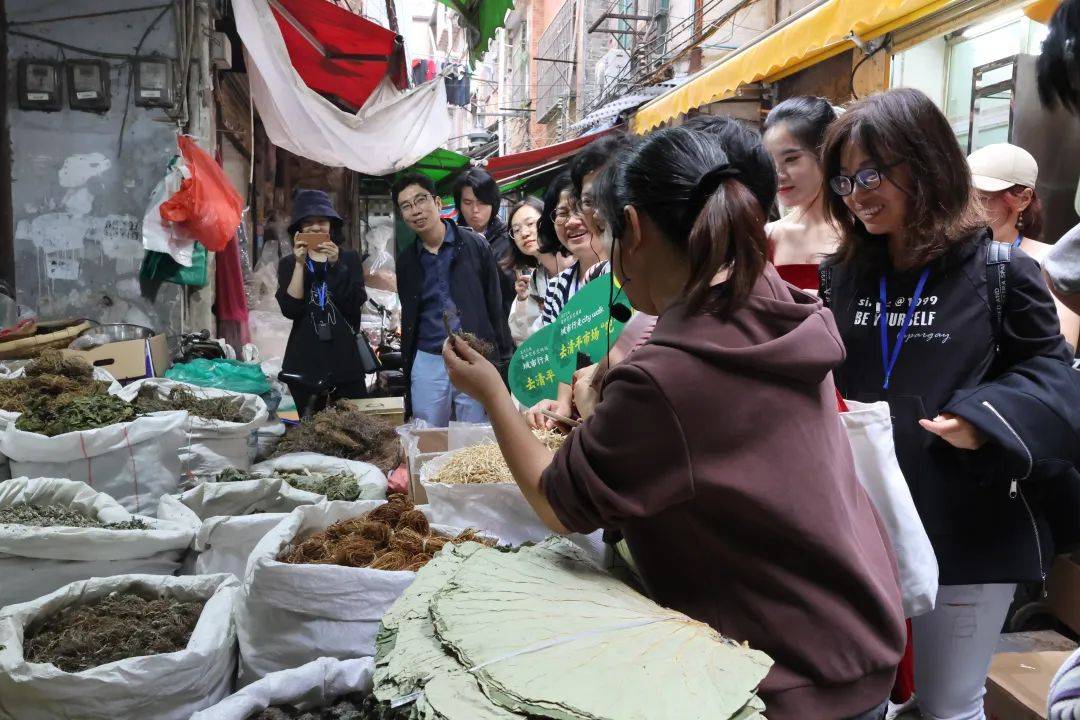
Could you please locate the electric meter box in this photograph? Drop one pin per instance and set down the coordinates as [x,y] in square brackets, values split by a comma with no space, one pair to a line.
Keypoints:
[88,85]
[154,82]
[39,85]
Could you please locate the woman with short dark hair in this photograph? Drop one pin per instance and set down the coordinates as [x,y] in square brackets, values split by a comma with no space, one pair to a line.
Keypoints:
[913,287]
[715,448]
[477,199]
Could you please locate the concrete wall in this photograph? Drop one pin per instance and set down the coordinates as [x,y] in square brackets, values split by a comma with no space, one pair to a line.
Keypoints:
[77,203]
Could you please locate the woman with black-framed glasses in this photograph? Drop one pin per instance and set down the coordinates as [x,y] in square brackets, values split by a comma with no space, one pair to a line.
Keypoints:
[912,288]
[533,269]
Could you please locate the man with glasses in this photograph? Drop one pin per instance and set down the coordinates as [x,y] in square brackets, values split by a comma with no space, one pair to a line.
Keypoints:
[446,276]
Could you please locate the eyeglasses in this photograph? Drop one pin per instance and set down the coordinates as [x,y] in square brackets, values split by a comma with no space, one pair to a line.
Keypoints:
[517,229]
[417,202]
[562,215]
[867,179]
[588,205]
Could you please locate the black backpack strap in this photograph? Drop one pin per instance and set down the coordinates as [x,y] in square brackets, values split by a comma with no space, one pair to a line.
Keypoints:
[998,257]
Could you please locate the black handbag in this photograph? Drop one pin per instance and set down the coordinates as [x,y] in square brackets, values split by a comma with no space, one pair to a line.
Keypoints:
[368,360]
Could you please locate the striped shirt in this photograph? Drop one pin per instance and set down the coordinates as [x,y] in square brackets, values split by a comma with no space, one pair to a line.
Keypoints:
[565,285]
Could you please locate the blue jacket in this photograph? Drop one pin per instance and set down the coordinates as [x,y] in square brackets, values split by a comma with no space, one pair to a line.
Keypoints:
[475,288]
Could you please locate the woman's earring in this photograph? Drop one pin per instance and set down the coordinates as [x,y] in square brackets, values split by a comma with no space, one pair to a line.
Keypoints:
[1020,221]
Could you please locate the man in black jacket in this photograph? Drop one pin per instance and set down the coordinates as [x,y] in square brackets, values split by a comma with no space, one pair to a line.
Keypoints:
[447,272]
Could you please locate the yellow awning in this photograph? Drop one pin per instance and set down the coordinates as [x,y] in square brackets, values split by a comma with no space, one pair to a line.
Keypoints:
[816,36]
[1042,10]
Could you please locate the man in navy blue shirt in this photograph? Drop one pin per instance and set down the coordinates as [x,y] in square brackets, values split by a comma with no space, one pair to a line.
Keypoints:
[448,269]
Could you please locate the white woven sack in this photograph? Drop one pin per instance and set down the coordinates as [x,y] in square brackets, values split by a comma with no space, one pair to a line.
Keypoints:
[869,430]
[292,614]
[314,685]
[211,445]
[35,561]
[230,518]
[134,462]
[169,686]
[371,479]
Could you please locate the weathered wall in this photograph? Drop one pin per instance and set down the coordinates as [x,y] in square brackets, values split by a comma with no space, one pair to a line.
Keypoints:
[77,203]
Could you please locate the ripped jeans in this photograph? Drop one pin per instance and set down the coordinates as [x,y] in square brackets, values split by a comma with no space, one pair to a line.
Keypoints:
[954,644]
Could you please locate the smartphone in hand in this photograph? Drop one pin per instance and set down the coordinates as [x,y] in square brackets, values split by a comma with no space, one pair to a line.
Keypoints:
[313,240]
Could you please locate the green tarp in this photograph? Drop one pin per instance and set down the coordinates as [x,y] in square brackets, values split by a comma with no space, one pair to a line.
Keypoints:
[483,16]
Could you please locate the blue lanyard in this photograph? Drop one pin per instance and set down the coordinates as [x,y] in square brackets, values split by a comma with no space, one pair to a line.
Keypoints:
[320,289]
[888,360]
[1019,239]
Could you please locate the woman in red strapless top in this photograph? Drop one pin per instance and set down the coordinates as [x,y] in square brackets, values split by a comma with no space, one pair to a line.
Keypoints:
[794,131]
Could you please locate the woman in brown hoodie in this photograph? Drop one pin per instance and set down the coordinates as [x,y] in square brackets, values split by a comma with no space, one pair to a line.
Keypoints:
[716,448]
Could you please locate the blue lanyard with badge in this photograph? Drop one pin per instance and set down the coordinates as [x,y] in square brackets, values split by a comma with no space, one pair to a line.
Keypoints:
[888,360]
[320,291]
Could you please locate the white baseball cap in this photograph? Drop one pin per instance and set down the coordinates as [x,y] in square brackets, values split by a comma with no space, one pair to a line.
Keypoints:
[1000,166]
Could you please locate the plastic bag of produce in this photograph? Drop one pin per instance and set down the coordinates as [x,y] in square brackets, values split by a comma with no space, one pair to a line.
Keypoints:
[212,445]
[314,685]
[167,686]
[134,462]
[46,550]
[292,614]
[222,374]
[870,433]
[371,480]
[229,519]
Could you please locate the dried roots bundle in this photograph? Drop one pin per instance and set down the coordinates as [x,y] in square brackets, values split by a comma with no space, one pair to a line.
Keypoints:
[355,706]
[46,378]
[343,430]
[393,536]
[60,516]
[74,412]
[481,464]
[227,409]
[121,625]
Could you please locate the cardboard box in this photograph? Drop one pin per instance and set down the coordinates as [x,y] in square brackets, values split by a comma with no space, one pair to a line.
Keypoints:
[1063,590]
[131,359]
[389,408]
[1018,684]
[430,442]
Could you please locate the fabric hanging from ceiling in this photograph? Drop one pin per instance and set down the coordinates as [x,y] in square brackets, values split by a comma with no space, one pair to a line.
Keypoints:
[390,132]
[337,52]
[508,166]
[483,18]
[816,36]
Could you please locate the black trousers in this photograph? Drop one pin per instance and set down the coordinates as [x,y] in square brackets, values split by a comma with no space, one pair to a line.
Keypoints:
[350,390]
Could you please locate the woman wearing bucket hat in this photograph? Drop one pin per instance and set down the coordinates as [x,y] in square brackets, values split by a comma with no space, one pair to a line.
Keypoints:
[321,289]
[1004,176]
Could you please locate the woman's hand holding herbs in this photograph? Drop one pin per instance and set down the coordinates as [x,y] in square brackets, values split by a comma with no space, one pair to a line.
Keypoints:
[471,372]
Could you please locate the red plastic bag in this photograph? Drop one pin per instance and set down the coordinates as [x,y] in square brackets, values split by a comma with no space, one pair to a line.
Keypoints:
[207,204]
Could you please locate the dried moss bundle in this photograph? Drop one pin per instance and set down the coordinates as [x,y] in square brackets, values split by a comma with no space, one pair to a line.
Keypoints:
[72,412]
[228,409]
[47,377]
[393,536]
[118,626]
[343,430]
[355,706]
[338,486]
[60,516]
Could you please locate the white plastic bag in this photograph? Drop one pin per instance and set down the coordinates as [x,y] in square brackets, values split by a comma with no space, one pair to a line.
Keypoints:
[292,614]
[317,684]
[229,518]
[869,430]
[210,445]
[35,561]
[134,462]
[159,234]
[169,686]
[371,479]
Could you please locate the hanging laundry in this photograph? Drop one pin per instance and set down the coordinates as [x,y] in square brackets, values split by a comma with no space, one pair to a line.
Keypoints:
[457,87]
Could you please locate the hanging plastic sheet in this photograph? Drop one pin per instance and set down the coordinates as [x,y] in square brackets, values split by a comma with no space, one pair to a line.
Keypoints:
[390,132]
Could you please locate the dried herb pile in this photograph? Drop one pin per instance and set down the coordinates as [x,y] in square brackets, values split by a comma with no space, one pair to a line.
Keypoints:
[355,706]
[119,626]
[393,536]
[73,413]
[343,430]
[49,376]
[156,399]
[483,464]
[60,516]
[337,486]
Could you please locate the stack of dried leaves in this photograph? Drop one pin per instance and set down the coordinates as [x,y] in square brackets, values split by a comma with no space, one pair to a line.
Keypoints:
[343,430]
[337,486]
[483,464]
[47,377]
[73,413]
[393,536]
[118,626]
[355,706]
[60,516]
[228,409]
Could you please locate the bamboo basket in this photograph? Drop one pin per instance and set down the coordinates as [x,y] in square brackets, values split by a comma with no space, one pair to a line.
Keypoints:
[57,334]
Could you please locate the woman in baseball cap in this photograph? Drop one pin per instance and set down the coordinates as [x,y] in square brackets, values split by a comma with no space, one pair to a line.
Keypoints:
[1004,176]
